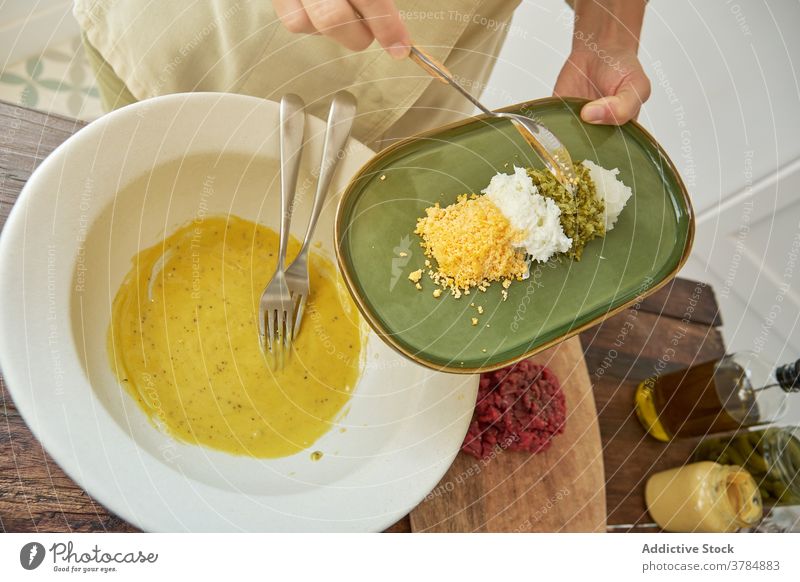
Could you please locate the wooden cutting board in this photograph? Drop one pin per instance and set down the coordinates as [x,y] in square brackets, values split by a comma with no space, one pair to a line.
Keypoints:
[561,489]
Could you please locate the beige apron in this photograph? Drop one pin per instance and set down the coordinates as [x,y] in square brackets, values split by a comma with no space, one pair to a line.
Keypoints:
[240,46]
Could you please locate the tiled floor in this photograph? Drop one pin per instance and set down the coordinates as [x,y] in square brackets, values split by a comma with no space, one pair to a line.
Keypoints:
[59,80]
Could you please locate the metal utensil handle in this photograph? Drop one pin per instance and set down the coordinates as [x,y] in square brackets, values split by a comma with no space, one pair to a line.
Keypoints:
[340,122]
[292,126]
[439,71]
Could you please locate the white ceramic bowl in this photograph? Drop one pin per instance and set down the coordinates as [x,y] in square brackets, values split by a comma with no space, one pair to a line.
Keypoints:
[63,253]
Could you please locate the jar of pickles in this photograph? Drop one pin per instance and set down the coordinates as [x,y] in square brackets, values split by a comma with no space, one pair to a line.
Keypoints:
[771,456]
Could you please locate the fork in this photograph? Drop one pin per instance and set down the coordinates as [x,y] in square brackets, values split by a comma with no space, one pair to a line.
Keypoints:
[340,122]
[552,152]
[275,309]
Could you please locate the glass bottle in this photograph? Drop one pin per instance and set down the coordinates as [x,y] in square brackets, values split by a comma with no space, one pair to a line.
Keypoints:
[771,456]
[738,390]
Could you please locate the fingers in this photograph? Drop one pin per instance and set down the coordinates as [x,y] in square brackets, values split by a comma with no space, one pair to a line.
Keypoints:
[293,16]
[338,20]
[621,107]
[383,20]
[354,24]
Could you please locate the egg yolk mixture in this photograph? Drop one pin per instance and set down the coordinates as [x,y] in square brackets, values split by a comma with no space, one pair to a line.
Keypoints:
[184,342]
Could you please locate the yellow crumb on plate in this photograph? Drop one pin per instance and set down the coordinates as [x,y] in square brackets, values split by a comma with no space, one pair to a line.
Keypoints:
[415,276]
[474,321]
[437,293]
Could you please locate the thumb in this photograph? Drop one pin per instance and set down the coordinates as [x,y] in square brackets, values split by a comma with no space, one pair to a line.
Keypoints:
[621,107]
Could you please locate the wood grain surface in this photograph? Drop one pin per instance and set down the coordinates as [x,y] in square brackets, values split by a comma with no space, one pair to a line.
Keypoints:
[26,138]
[35,495]
[560,489]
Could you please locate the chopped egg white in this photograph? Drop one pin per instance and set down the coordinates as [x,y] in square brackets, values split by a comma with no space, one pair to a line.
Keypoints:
[536,216]
[610,189]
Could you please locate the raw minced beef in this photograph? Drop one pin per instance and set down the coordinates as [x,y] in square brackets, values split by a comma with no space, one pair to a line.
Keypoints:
[519,408]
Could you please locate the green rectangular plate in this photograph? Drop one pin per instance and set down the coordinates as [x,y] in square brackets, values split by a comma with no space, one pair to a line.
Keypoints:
[377,216]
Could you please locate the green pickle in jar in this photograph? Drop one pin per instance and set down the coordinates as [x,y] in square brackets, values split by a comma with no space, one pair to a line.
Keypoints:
[771,456]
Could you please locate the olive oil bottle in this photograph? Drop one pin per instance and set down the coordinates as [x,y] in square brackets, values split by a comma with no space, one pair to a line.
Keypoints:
[739,390]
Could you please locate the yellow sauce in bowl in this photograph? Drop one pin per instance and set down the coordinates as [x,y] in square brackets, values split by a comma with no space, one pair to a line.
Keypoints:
[184,342]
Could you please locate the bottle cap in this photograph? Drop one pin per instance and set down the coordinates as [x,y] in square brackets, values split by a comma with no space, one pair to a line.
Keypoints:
[788,377]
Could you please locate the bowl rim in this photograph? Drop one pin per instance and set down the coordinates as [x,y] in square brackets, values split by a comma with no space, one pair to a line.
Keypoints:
[388,336]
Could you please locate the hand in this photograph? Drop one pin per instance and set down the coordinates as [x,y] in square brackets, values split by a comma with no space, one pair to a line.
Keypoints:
[612,78]
[353,24]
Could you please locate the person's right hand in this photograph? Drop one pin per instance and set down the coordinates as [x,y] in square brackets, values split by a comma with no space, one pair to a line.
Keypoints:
[352,23]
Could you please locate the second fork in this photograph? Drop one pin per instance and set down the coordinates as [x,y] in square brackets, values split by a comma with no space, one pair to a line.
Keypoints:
[340,122]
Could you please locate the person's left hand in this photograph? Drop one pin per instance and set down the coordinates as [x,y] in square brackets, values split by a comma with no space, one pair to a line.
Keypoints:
[612,78]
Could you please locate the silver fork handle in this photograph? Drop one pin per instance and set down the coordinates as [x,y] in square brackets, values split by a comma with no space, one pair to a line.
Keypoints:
[292,126]
[340,122]
[438,70]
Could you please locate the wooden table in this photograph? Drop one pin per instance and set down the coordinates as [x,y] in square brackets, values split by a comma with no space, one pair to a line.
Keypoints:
[672,329]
